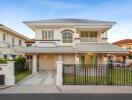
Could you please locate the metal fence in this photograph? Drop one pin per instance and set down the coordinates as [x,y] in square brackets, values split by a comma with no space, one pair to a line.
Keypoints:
[21,67]
[96,75]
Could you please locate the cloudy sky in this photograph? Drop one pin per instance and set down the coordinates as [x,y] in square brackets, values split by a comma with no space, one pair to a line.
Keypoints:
[14,12]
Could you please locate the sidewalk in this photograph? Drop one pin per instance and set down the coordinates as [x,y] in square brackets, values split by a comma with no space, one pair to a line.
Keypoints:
[68,89]
[93,89]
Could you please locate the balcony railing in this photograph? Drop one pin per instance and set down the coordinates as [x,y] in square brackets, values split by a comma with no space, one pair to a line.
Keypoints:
[87,39]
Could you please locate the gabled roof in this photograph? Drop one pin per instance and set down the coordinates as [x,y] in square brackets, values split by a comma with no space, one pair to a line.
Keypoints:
[125,41]
[13,32]
[68,20]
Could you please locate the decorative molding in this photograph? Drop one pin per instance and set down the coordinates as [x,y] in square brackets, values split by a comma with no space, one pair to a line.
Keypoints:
[67,30]
[48,40]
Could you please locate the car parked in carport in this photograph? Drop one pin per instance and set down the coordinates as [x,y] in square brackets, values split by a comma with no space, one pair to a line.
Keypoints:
[118,64]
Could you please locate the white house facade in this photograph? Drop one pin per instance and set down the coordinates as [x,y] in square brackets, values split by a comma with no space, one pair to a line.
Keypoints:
[69,41]
[9,39]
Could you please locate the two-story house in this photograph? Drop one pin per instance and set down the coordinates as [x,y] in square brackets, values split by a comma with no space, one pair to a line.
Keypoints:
[10,39]
[72,41]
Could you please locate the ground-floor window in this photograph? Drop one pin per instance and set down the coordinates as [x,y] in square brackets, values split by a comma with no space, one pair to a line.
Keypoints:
[88,59]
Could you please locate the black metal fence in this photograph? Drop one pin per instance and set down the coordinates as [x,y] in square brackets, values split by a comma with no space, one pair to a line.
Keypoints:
[96,75]
[21,67]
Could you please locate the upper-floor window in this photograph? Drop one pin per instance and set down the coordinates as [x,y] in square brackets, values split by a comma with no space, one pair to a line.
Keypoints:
[4,37]
[20,42]
[67,37]
[90,34]
[13,41]
[47,34]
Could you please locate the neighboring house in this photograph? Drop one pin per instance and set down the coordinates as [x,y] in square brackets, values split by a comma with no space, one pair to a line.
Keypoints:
[10,39]
[71,41]
[125,44]
[30,42]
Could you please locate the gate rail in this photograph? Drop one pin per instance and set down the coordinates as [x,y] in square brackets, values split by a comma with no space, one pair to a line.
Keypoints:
[78,74]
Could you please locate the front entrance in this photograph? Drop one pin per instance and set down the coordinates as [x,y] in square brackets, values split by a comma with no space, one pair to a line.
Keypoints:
[47,62]
[88,59]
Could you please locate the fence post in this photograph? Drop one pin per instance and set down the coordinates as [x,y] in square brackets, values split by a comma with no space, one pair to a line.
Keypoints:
[59,78]
[10,74]
[109,71]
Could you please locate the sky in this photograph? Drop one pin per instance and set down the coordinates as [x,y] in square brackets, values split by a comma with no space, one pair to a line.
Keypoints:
[14,12]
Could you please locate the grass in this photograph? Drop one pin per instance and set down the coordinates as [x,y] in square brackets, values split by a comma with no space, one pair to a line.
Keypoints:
[114,77]
[22,75]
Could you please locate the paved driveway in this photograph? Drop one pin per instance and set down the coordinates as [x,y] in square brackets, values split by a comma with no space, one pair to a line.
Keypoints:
[42,82]
[41,78]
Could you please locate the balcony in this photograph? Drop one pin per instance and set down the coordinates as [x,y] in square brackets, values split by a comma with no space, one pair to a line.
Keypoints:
[88,39]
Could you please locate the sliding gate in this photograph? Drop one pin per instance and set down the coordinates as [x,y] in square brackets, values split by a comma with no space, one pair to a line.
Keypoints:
[96,75]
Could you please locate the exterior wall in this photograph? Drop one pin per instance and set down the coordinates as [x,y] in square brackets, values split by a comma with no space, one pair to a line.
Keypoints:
[101,59]
[58,36]
[68,58]
[47,62]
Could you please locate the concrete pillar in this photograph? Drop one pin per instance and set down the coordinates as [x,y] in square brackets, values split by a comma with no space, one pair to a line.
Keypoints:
[34,64]
[59,78]
[59,57]
[10,74]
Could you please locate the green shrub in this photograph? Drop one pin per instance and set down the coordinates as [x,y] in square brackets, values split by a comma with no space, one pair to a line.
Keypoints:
[20,60]
[3,61]
[130,56]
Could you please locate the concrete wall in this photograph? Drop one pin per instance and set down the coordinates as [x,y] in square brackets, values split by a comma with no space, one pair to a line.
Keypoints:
[68,58]
[8,71]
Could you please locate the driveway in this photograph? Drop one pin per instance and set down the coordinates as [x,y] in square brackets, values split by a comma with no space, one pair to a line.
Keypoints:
[41,78]
[42,82]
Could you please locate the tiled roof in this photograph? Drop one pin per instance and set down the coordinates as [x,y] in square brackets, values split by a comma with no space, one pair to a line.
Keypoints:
[30,41]
[68,20]
[125,41]
[81,48]
[99,47]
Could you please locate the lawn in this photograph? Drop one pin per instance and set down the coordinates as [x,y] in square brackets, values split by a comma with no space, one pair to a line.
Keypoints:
[114,77]
[22,75]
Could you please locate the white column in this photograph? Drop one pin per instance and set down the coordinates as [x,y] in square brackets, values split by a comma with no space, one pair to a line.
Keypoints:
[59,78]
[34,65]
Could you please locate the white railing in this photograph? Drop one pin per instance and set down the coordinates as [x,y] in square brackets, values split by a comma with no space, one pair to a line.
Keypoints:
[87,39]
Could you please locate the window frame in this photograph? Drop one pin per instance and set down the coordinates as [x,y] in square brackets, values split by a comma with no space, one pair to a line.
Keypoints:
[47,34]
[20,42]
[4,37]
[68,35]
